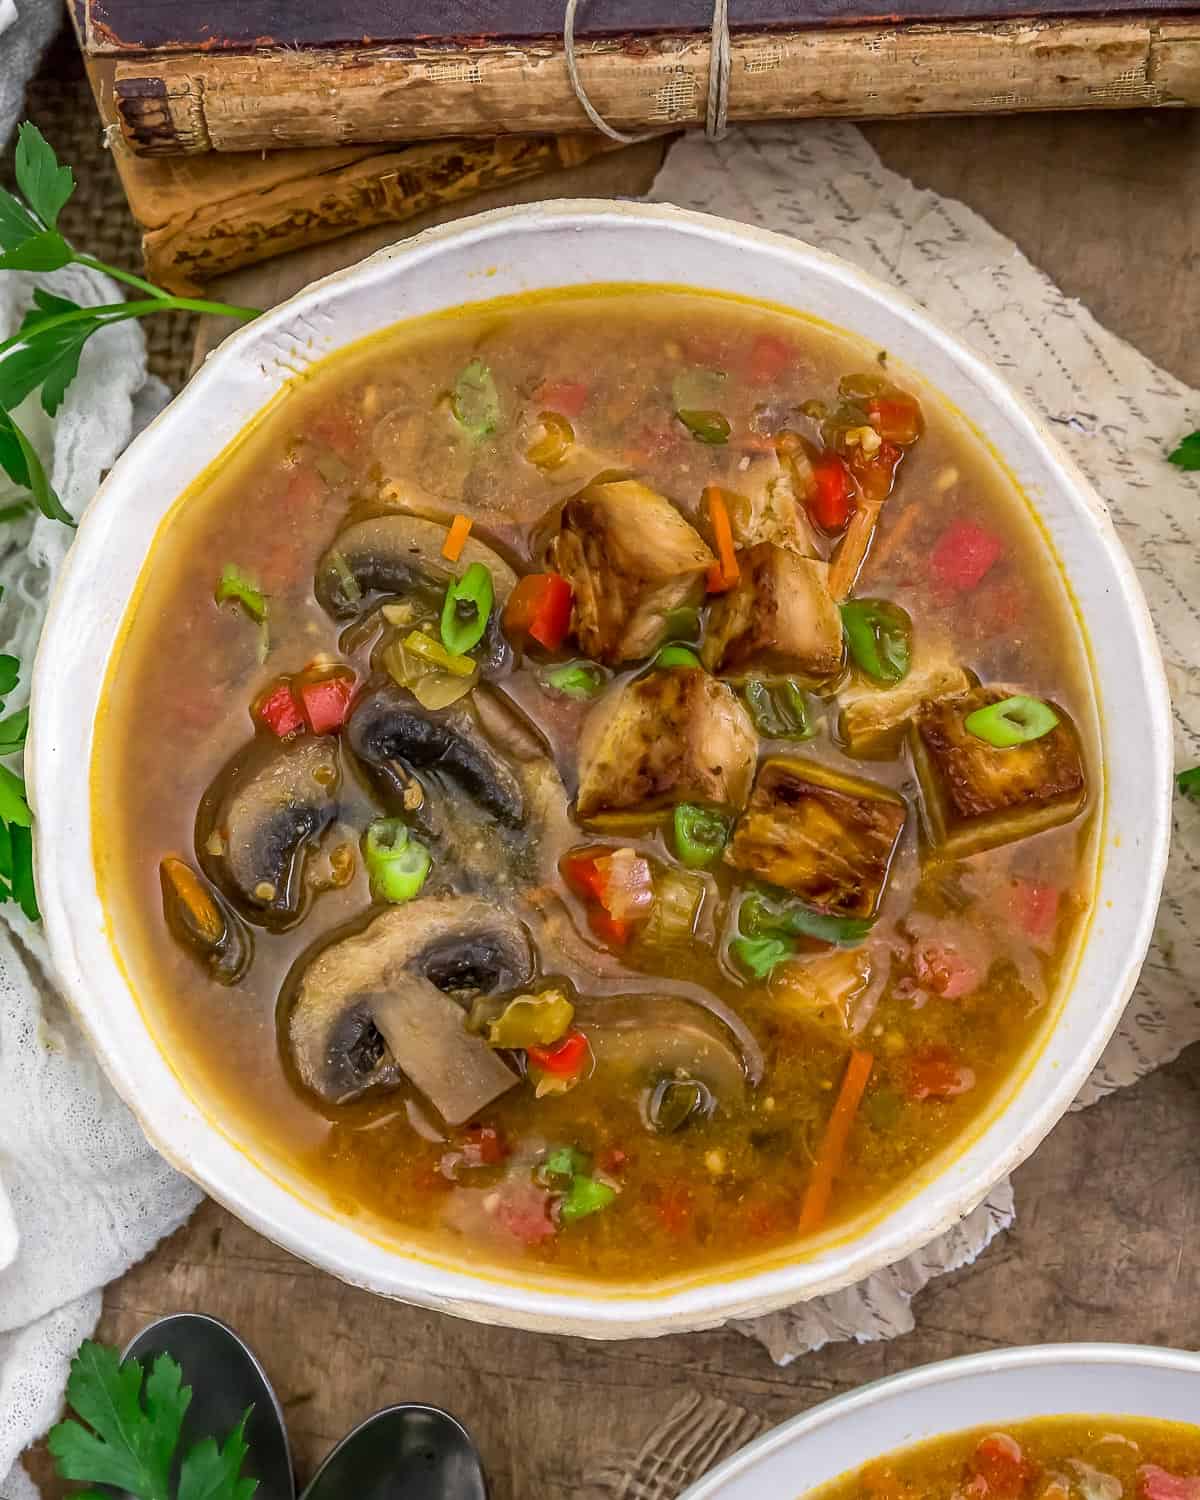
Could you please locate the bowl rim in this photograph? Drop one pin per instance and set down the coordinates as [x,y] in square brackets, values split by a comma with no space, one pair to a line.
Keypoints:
[296,1225]
[943,1372]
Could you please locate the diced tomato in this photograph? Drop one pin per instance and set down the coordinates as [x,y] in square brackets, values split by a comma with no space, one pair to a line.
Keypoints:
[963,555]
[673,1208]
[326,701]
[279,711]
[769,357]
[1001,1463]
[483,1146]
[1160,1484]
[935,1073]
[897,419]
[524,1210]
[566,1059]
[1034,905]
[832,501]
[566,396]
[944,970]
[540,608]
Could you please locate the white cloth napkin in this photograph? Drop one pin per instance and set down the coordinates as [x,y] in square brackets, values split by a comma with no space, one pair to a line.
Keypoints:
[1117,414]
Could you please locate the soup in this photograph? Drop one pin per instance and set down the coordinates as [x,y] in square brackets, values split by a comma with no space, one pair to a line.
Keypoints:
[599,783]
[1054,1458]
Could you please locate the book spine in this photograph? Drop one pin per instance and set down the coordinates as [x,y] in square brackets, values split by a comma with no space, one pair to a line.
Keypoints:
[204,240]
[199,102]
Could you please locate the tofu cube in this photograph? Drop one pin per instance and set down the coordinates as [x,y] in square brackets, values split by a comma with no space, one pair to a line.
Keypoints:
[779,616]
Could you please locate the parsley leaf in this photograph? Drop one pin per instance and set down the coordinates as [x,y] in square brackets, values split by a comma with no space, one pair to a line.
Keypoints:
[1188,782]
[44,183]
[1187,454]
[135,1424]
[17,224]
[44,251]
[46,305]
[19,460]
[50,359]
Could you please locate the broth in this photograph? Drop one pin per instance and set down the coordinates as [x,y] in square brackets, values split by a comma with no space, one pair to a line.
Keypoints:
[915,893]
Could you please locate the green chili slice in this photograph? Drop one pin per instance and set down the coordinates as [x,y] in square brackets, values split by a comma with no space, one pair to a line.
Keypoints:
[879,634]
[532,1021]
[233,584]
[706,426]
[779,709]
[676,656]
[761,917]
[1188,782]
[397,863]
[700,834]
[476,401]
[1012,721]
[759,955]
[585,1196]
[467,609]
[580,680]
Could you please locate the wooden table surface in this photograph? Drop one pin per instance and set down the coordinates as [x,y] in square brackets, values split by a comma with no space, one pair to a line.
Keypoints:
[1108,1208]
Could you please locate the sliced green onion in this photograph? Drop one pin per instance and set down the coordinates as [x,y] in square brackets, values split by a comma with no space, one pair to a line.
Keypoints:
[563,1161]
[233,584]
[476,401]
[585,1196]
[676,656]
[397,864]
[1012,721]
[1188,782]
[879,634]
[700,834]
[761,917]
[759,955]
[706,426]
[467,609]
[779,709]
[434,652]
[576,679]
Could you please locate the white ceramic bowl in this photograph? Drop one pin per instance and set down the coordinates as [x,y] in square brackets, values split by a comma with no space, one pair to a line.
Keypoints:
[515,250]
[1013,1385]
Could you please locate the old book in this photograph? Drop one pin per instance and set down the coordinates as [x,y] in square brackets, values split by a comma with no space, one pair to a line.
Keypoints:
[265,73]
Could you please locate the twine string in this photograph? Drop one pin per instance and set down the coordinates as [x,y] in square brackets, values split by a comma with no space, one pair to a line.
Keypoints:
[720,62]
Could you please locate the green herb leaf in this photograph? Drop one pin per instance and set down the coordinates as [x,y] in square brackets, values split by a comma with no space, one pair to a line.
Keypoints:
[10,672]
[13,730]
[45,183]
[22,889]
[17,224]
[121,1448]
[50,359]
[46,305]
[759,955]
[1188,783]
[211,1473]
[476,401]
[760,916]
[14,808]
[1187,454]
[19,460]
[44,251]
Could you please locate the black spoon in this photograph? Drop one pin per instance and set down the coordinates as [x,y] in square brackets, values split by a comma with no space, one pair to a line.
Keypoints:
[226,1378]
[406,1452]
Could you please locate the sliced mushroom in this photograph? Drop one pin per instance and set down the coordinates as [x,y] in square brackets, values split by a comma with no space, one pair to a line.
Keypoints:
[657,1037]
[260,817]
[390,731]
[203,922]
[363,1015]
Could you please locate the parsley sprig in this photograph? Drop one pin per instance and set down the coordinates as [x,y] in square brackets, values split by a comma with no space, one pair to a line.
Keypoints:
[44,352]
[16,840]
[1187,454]
[130,1433]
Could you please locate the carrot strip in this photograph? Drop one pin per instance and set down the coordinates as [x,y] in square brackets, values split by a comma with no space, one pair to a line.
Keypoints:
[725,572]
[456,538]
[833,1144]
[891,542]
[852,553]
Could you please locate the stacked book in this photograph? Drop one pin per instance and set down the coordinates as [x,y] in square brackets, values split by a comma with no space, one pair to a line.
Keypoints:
[245,129]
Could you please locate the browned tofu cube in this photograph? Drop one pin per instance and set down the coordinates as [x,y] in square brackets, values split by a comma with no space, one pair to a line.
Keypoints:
[674,735]
[630,558]
[778,616]
[829,838]
[976,796]
[765,508]
[873,718]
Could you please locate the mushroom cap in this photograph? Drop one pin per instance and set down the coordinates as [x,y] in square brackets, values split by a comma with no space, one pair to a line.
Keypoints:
[353,996]
[266,807]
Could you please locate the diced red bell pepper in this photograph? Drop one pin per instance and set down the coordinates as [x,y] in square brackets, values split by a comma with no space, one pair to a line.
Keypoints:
[326,701]
[539,608]
[832,501]
[1034,904]
[964,554]
[1154,1483]
[279,711]
[769,357]
[935,1073]
[897,419]
[581,870]
[1000,1461]
[589,873]
[565,1059]
[568,397]
[609,929]
[483,1146]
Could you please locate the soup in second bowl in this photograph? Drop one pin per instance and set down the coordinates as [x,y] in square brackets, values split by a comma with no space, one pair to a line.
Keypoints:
[600,783]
